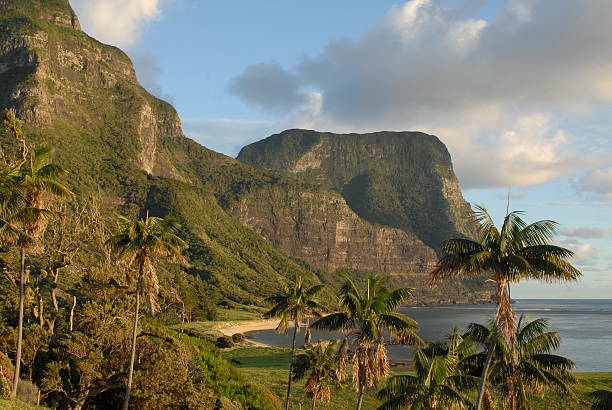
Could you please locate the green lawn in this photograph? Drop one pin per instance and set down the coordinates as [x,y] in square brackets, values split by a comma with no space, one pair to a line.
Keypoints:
[269,367]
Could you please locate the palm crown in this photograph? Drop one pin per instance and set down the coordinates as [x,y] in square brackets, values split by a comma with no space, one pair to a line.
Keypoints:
[365,316]
[438,382]
[528,366]
[142,241]
[319,364]
[516,251]
[297,302]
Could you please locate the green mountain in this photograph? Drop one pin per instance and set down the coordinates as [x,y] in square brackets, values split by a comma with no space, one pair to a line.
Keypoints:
[400,179]
[401,182]
[249,229]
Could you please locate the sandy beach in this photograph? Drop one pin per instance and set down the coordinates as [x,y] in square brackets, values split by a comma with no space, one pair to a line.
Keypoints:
[231,328]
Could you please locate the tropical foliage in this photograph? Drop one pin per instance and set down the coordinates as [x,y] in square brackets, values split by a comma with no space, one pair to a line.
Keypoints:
[320,365]
[365,315]
[508,255]
[439,381]
[527,369]
[298,302]
[139,243]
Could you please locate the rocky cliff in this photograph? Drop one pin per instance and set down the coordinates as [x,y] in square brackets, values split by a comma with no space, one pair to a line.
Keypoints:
[402,183]
[118,141]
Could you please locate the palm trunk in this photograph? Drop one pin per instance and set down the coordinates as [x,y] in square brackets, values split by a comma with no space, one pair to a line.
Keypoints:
[485,370]
[20,324]
[295,325]
[314,404]
[360,399]
[128,389]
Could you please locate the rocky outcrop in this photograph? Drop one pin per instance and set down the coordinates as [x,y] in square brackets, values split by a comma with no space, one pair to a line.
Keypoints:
[396,199]
[320,228]
[400,179]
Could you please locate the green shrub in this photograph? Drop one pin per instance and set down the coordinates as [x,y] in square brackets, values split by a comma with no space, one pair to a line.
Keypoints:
[226,381]
[224,342]
[238,338]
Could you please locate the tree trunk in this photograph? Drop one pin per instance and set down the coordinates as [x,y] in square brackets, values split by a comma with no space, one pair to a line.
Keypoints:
[72,313]
[53,295]
[314,404]
[359,398]
[20,324]
[485,370]
[295,325]
[128,389]
[77,405]
[52,290]
[41,310]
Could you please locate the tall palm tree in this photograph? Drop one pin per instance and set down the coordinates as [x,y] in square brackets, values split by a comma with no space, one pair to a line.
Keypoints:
[526,366]
[365,315]
[138,244]
[515,252]
[438,382]
[296,303]
[38,179]
[320,364]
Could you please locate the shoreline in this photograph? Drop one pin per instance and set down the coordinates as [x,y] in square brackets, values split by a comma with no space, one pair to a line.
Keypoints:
[232,328]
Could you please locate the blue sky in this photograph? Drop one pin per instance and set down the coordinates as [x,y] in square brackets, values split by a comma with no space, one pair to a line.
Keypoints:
[519,90]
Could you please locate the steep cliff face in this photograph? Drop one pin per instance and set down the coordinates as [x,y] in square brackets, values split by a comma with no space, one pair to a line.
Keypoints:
[320,228]
[399,179]
[400,184]
[118,141]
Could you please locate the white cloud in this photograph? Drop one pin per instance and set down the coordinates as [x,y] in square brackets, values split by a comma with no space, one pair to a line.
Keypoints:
[585,232]
[498,93]
[116,22]
[597,182]
[585,254]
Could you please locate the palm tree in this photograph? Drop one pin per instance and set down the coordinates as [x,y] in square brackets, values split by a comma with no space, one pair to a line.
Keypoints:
[438,382]
[296,303]
[138,244]
[320,363]
[515,252]
[37,179]
[527,365]
[365,315]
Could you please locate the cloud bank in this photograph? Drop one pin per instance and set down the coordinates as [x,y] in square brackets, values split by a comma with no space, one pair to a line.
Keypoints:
[116,22]
[497,92]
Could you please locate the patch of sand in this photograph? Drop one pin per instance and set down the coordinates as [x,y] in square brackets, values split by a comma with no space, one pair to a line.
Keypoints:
[231,328]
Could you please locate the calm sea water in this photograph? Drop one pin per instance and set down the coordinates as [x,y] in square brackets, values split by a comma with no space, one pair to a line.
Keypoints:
[585,326]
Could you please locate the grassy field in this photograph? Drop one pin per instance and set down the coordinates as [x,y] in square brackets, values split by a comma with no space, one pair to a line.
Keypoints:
[269,367]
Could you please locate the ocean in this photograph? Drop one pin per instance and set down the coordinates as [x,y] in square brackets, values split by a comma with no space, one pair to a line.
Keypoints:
[585,326]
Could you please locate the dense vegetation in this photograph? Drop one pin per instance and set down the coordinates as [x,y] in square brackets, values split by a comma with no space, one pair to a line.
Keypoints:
[77,339]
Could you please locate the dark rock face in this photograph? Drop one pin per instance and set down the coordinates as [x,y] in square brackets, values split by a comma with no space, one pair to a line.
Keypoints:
[400,179]
[82,98]
[401,182]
